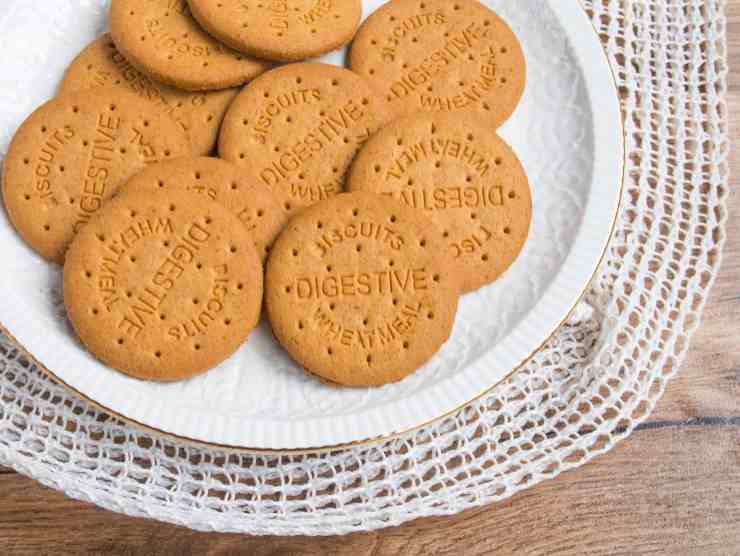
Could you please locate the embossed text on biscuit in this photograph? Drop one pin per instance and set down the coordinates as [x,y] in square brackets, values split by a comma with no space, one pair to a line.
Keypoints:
[360,230]
[332,129]
[362,284]
[439,148]
[382,334]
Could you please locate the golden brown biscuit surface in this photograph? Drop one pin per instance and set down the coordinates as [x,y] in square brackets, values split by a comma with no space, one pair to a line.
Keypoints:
[163,286]
[70,156]
[200,114]
[464,178]
[442,55]
[296,130]
[357,292]
[161,39]
[217,180]
[283,30]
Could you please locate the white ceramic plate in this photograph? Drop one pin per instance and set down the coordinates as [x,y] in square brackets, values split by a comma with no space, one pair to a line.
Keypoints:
[568,133]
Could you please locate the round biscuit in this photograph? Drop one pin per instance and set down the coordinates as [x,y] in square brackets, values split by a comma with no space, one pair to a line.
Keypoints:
[161,39]
[285,31]
[356,291]
[163,286]
[465,178]
[440,55]
[296,130]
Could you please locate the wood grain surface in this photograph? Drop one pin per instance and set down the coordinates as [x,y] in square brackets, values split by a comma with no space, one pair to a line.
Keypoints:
[673,487]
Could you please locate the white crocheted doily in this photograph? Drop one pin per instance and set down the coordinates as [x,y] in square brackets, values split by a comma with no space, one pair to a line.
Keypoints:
[588,388]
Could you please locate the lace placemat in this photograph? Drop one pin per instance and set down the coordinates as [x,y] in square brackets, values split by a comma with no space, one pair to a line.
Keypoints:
[598,378]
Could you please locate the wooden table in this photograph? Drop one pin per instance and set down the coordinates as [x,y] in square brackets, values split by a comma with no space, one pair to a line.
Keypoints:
[673,487]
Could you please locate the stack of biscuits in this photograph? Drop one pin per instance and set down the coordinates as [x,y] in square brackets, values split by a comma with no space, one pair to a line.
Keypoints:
[194,169]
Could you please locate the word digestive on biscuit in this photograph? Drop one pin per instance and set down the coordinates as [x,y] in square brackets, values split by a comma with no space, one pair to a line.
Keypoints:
[98,170]
[444,198]
[363,284]
[331,129]
[117,248]
[164,280]
[454,49]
